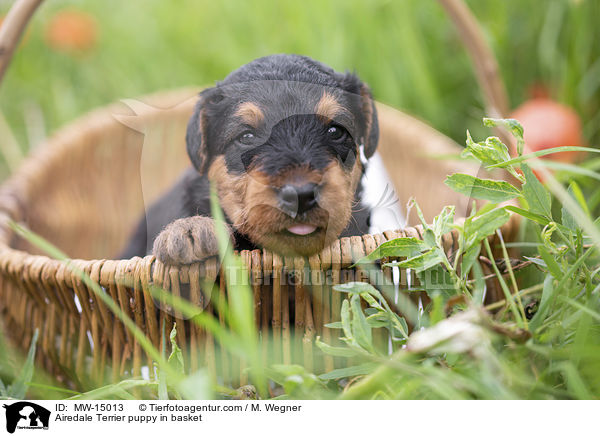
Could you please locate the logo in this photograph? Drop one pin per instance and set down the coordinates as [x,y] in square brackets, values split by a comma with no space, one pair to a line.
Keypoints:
[26,415]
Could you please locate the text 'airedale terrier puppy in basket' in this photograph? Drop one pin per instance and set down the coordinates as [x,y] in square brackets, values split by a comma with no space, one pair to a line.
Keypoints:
[284,140]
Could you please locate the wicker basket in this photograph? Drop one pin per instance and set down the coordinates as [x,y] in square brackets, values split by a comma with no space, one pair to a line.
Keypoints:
[82,192]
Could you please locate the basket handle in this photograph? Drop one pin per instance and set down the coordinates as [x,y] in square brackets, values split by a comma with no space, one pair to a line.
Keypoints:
[484,62]
[12,28]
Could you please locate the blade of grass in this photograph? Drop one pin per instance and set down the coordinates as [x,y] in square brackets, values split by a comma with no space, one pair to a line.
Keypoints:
[581,307]
[535,154]
[53,388]
[241,298]
[110,391]
[512,278]
[19,387]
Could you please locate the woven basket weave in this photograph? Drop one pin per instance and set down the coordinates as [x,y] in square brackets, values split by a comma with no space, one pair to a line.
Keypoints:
[81,191]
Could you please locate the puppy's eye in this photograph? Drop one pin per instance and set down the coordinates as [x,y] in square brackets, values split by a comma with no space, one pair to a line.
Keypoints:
[246,138]
[336,132]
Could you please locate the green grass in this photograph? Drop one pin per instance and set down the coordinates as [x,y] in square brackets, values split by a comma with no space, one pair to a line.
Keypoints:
[406,50]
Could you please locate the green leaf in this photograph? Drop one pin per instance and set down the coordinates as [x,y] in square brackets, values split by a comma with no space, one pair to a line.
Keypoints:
[479,287]
[537,261]
[513,126]
[356,288]
[501,152]
[379,320]
[360,327]
[469,258]
[345,315]
[547,297]
[399,247]
[429,238]
[442,223]
[436,280]
[334,325]
[421,262]
[437,312]
[474,149]
[176,356]
[490,152]
[351,371]
[373,302]
[529,215]
[414,203]
[537,197]
[484,225]
[486,189]
[335,351]
[19,387]
[551,263]
[400,325]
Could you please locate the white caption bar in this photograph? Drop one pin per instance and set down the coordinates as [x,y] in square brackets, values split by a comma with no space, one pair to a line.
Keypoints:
[294,417]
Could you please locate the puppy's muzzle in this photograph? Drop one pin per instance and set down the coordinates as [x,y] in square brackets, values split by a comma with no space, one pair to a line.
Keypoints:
[295,200]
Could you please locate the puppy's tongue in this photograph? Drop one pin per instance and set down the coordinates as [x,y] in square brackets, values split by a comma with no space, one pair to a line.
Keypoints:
[301,229]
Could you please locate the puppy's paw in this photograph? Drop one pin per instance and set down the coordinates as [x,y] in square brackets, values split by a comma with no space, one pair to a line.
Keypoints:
[187,240]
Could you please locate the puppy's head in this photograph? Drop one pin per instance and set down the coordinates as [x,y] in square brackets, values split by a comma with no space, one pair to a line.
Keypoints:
[280,138]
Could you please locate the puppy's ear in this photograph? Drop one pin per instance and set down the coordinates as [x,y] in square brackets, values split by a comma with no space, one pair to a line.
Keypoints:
[196,135]
[371,128]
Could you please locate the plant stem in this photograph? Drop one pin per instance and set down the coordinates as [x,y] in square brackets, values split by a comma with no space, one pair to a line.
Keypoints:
[522,293]
[505,289]
[512,277]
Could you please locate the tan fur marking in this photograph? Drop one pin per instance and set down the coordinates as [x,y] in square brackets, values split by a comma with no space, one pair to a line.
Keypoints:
[328,107]
[250,201]
[230,189]
[250,114]
[295,176]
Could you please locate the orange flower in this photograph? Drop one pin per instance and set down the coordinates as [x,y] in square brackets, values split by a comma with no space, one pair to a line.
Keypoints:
[71,31]
[549,124]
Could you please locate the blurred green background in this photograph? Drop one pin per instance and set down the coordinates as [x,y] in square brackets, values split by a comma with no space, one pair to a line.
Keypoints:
[407,50]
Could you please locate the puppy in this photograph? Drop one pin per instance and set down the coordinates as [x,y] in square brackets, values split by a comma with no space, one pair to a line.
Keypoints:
[281,141]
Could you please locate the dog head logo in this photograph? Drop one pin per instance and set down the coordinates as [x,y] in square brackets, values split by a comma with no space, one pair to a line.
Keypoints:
[26,415]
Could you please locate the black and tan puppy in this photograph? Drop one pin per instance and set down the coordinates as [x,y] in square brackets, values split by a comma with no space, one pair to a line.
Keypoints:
[281,139]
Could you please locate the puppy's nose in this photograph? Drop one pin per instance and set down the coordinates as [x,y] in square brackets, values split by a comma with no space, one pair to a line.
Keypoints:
[298,199]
